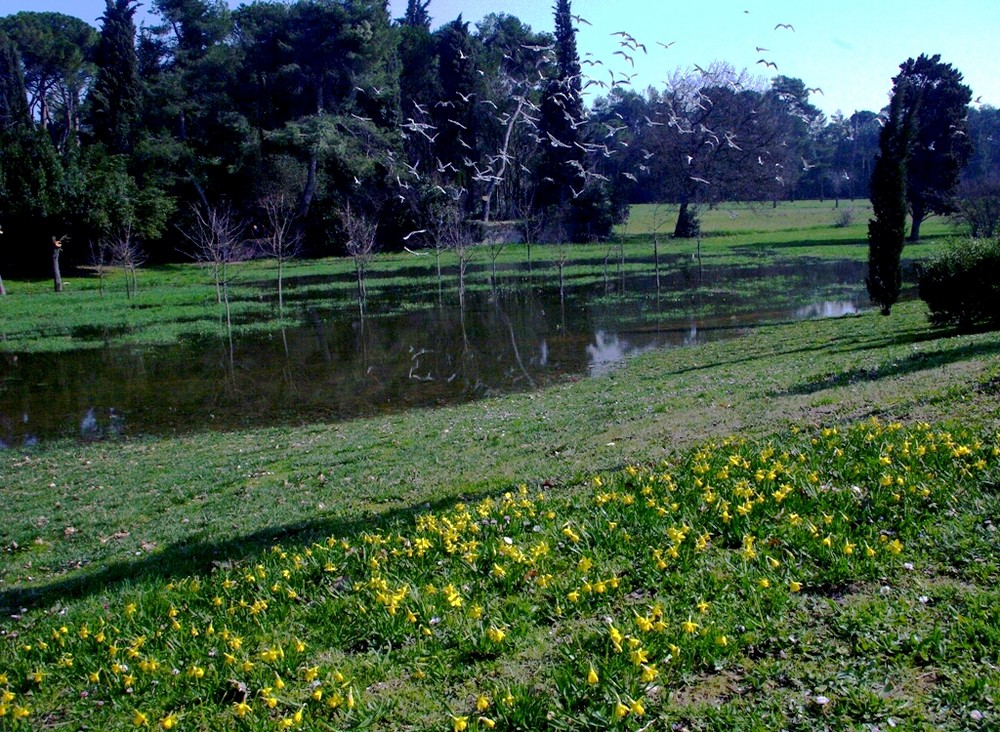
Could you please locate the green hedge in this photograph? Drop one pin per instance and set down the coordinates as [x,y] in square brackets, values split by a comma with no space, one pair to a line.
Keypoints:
[962,285]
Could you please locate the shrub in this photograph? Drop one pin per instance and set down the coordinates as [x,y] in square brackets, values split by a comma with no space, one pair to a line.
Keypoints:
[845,217]
[962,285]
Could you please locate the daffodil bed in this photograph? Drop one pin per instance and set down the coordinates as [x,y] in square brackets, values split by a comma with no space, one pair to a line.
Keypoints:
[597,608]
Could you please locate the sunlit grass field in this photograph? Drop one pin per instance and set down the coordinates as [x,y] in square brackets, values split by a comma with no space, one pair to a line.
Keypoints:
[795,530]
[813,579]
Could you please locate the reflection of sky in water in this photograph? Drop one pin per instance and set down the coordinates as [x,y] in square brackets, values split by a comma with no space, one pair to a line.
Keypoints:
[608,350]
[827,309]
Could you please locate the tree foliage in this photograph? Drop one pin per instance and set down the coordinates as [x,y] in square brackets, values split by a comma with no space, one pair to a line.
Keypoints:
[326,104]
[887,230]
[115,95]
[938,102]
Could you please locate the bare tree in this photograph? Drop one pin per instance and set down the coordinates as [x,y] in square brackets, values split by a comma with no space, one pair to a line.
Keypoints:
[125,252]
[361,245]
[495,243]
[282,240]
[99,259]
[453,233]
[217,234]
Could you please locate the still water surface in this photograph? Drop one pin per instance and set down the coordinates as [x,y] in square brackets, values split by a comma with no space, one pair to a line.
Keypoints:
[333,366]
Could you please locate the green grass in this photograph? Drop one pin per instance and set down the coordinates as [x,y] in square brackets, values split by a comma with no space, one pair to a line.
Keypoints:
[178,301]
[818,499]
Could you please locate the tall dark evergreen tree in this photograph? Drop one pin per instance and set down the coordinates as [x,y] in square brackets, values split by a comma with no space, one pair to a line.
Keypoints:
[116,92]
[416,15]
[940,148]
[455,114]
[887,230]
[13,95]
[562,158]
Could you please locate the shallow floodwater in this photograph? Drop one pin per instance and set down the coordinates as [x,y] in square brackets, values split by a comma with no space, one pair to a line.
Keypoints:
[521,335]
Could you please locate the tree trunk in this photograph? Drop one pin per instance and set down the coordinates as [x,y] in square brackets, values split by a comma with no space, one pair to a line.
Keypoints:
[918,217]
[687,223]
[56,275]
[3,290]
[281,298]
[310,188]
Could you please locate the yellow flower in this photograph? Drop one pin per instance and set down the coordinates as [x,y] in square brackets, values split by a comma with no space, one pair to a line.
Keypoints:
[637,708]
[649,673]
[495,634]
[689,626]
[139,719]
[482,703]
[620,710]
[702,607]
[459,724]
[592,677]
[794,586]
[487,722]
[584,565]
[169,722]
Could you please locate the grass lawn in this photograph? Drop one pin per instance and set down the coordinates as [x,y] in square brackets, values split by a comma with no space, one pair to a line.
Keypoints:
[795,530]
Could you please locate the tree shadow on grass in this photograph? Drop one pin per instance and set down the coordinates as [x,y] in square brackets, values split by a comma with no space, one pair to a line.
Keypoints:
[919,361]
[185,559]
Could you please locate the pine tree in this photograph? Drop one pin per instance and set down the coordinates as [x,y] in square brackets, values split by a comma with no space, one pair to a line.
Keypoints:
[116,90]
[887,230]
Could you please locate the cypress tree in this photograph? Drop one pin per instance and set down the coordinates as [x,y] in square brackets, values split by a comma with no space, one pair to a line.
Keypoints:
[886,232]
[13,97]
[116,91]
[561,114]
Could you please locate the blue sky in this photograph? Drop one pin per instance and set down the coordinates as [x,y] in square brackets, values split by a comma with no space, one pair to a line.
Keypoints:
[850,49]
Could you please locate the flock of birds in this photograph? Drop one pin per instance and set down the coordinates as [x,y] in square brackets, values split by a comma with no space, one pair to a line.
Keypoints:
[685,110]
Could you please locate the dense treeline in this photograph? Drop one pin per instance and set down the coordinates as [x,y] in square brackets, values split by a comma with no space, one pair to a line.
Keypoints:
[295,123]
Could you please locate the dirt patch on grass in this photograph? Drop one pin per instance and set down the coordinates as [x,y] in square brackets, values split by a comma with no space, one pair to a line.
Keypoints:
[709,690]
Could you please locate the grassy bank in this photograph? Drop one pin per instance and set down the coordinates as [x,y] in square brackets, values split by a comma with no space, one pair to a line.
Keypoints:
[163,548]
